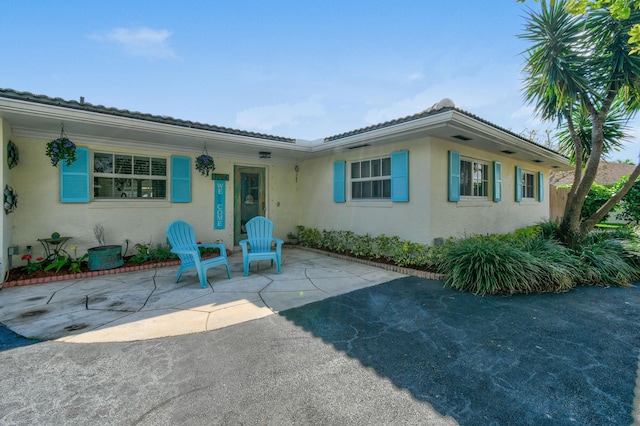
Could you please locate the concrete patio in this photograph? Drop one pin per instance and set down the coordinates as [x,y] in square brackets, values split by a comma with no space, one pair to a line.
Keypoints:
[149,304]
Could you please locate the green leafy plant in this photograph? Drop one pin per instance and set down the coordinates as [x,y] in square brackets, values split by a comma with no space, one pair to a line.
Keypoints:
[162,252]
[143,253]
[488,266]
[629,206]
[204,164]
[61,149]
[66,261]
[32,267]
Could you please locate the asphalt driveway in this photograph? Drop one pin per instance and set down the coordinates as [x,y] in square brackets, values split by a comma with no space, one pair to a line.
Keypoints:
[404,352]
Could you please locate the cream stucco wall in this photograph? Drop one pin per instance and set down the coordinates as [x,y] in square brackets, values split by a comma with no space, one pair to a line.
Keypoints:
[468,217]
[428,214]
[40,211]
[5,179]
[407,220]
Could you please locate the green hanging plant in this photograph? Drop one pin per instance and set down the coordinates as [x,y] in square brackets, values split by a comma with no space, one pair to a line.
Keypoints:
[204,163]
[61,149]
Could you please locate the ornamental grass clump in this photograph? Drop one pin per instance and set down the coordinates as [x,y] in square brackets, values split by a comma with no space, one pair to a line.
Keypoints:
[609,264]
[560,268]
[490,266]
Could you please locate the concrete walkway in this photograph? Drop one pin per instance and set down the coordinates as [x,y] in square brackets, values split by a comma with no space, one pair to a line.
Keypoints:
[149,304]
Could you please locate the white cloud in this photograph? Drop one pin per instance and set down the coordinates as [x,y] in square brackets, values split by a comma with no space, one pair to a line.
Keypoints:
[468,93]
[269,117]
[144,41]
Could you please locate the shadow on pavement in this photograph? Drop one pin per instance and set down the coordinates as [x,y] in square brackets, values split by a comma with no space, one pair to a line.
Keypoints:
[11,340]
[552,359]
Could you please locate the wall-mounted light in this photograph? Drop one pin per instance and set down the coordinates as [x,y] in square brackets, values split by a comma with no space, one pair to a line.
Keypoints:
[265,154]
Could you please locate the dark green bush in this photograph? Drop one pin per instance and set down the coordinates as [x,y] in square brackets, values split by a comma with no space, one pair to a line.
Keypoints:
[597,196]
[487,265]
[529,260]
[609,263]
[630,204]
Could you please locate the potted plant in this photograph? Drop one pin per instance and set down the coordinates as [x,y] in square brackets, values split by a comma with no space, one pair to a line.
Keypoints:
[103,256]
[61,149]
[204,163]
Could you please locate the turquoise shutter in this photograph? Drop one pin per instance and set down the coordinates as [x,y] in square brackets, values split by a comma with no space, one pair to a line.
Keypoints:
[497,181]
[400,176]
[339,173]
[454,176]
[180,179]
[74,179]
[540,186]
[518,184]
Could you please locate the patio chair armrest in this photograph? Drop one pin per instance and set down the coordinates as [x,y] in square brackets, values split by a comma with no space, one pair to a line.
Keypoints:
[185,250]
[244,246]
[279,242]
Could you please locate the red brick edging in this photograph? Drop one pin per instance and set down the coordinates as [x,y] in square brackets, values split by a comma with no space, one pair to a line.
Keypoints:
[42,280]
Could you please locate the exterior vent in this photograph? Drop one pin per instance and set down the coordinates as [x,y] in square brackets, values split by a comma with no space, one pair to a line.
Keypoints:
[461,137]
[265,154]
[358,146]
[506,151]
[537,161]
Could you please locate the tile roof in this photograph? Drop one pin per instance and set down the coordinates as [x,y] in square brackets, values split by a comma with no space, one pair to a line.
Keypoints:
[426,113]
[100,109]
[608,173]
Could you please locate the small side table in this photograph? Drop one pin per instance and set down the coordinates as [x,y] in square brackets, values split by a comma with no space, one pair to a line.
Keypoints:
[52,248]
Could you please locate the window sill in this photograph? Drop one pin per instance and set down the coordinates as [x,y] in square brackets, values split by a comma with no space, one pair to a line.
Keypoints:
[128,204]
[370,203]
[475,203]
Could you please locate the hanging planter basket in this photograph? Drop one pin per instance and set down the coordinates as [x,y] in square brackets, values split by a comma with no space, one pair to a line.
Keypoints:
[61,149]
[12,155]
[204,163]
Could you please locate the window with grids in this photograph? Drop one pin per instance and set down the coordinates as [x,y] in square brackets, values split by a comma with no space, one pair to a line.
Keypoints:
[474,178]
[528,185]
[129,176]
[371,179]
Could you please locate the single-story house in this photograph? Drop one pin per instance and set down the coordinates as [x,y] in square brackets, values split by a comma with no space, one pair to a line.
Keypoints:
[439,173]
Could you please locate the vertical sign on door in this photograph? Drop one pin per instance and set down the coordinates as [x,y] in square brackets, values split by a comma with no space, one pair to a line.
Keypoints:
[219,198]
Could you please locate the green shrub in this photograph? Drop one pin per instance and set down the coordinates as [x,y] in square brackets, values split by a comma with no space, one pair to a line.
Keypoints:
[629,209]
[560,268]
[597,196]
[162,252]
[487,265]
[609,263]
[309,237]
[549,228]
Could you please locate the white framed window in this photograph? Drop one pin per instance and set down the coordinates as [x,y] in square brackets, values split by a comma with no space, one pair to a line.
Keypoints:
[528,185]
[129,176]
[474,178]
[371,179]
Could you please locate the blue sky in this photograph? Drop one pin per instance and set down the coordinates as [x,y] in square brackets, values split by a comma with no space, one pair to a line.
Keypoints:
[288,68]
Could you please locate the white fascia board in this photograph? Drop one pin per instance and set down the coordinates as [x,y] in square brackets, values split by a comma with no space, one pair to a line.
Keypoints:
[510,141]
[387,134]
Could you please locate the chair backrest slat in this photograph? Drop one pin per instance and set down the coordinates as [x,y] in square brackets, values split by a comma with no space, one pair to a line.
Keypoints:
[181,234]
[260,234]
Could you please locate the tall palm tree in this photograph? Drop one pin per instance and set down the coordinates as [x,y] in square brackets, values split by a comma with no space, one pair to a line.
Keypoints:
[580,66]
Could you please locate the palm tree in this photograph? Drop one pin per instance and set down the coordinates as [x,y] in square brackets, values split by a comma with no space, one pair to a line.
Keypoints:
[579,68]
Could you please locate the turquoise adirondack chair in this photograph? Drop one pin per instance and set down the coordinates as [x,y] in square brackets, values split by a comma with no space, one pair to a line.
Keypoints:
[259,242]
[183,242]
